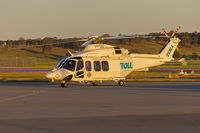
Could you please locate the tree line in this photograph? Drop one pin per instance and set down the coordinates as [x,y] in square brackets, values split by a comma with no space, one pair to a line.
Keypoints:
[186,39]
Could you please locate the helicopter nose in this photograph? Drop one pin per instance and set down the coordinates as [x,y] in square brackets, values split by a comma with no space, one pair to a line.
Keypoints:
[49,75]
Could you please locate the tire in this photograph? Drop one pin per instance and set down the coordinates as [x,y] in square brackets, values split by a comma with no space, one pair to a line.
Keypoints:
[94,83]
[121,83]
[63,85]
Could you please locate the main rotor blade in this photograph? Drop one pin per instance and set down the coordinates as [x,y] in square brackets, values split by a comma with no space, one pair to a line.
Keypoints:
[119,37]
[47,44]
[87,43]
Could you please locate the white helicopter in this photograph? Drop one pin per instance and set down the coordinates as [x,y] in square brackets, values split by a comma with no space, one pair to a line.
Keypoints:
[102,62]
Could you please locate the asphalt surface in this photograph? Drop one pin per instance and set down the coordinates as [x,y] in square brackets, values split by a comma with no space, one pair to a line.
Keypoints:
[137,107]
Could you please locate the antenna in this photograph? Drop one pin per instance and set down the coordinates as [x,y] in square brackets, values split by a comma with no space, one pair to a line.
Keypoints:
[70,52]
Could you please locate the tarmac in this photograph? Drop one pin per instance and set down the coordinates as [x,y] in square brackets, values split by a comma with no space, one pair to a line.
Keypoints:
[137,107]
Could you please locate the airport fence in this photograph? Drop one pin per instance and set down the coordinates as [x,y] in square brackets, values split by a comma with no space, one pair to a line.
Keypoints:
[18,62]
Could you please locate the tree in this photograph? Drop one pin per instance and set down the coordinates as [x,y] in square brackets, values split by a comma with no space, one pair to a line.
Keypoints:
[195,56]
[105,35]
[21,39]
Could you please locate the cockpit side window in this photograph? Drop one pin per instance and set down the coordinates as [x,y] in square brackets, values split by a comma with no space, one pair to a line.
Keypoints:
[79,65]
[97,66]
[69,65]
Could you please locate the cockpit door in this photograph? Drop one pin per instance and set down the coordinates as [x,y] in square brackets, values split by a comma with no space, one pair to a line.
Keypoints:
[79,69]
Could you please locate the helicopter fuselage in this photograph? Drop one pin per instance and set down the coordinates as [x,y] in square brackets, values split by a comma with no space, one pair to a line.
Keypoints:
[100,62]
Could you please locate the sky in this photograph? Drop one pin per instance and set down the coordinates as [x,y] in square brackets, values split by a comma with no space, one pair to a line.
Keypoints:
[33,19]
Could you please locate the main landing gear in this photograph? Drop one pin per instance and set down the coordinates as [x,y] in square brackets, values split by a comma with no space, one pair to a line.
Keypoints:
[65,80]
[94,83]
[121,83]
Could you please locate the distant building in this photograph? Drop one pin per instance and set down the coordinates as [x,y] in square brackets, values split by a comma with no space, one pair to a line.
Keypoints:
[4,44]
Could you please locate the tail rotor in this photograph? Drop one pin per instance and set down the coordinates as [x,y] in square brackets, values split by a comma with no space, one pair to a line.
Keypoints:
[168,50]
[175,31]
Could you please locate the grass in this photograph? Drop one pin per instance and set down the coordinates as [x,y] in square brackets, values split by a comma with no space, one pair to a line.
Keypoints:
[22,76]
[17,58]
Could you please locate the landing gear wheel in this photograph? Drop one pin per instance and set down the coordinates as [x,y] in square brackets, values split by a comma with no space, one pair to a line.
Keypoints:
[120,83]
[63,84]
[94,83]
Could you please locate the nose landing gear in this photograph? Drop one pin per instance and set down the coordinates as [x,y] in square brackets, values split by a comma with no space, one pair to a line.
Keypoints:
[65,80]
[64,84]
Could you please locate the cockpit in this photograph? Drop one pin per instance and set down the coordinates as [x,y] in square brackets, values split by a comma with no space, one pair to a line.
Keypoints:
[70,63]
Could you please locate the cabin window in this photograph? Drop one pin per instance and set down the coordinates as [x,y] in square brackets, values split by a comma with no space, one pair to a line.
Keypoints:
[88,65]
[97,66]
[79,65]
[105,66]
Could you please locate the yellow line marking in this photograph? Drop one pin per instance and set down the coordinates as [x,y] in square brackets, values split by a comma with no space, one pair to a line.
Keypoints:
[35,92]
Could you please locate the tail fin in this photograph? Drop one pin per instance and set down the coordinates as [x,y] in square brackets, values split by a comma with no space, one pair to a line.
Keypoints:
[168,50]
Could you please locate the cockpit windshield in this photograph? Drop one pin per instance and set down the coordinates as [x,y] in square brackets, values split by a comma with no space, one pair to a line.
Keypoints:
[60,62]
[69,65]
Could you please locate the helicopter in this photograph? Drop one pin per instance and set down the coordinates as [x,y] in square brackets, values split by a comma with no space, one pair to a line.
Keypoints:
[102,62]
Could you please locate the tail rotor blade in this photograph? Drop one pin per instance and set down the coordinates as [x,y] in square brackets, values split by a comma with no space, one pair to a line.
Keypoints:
[176,31]
[165,33]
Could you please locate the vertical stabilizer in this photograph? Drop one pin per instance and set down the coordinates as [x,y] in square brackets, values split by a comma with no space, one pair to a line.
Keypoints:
[168,50]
